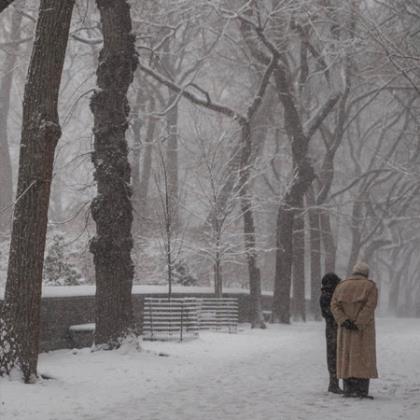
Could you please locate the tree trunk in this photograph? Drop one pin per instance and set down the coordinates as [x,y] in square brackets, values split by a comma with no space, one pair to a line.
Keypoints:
[6,179]
[303,176]
[284,260]
[355,235]
[256,315]
[315,252]
[172,158]
[299,311]
[40,133]
[112,208]
[327,236]
[146,170]
[218,278]
[136,125]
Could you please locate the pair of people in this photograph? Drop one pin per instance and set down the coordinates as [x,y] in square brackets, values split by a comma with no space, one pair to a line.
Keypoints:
[349,310]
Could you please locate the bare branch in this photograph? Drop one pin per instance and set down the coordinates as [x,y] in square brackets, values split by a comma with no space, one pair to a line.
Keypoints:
[193,98]
[323,112]
[358,179]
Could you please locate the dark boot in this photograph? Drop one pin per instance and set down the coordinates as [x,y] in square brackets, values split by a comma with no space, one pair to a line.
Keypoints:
[334,387]
[362,388]
[350,389]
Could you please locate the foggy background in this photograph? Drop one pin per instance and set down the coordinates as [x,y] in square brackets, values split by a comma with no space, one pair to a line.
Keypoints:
[371,202]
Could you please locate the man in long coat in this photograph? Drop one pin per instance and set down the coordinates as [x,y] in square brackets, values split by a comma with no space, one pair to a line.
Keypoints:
[353,306]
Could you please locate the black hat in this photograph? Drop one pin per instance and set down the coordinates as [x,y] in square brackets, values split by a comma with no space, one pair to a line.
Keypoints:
[330,281]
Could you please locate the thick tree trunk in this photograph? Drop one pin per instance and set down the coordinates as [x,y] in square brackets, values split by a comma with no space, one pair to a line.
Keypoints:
[303,176]
[284,260]
[6,179]
[284,255]
[315,253]
[40,133]
[299,310]
[112,209]
[256,315]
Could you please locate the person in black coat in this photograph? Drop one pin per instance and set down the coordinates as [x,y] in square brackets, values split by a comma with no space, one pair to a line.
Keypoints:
[329,282]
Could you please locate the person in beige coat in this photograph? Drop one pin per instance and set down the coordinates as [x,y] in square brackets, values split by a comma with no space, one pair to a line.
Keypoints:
[353,306]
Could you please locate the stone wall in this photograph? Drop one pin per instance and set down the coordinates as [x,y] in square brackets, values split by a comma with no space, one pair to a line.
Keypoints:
[59,313]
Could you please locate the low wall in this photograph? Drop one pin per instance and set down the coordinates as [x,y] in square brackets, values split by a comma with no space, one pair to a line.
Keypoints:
[58,313]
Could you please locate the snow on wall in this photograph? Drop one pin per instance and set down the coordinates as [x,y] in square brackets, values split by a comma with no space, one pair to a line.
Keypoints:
[63,306]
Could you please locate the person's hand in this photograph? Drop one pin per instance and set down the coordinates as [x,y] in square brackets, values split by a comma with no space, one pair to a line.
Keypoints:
[348,324]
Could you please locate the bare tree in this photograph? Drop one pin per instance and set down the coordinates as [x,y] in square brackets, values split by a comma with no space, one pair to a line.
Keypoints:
[6,178]
[20,317]
[244,122]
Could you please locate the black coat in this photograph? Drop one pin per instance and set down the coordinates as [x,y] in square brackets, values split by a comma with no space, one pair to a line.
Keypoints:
[325,302]
[329,283]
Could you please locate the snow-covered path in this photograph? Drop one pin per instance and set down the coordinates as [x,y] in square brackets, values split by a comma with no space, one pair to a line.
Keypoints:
[278,374]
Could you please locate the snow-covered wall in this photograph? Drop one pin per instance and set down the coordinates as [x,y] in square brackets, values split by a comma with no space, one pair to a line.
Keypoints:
[65,306]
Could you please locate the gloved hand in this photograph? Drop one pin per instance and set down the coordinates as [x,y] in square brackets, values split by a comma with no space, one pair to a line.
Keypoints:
[348,324]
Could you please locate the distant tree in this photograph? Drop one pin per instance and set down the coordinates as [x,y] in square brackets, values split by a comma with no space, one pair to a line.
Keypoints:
[58,270]
[6,81]
[20,324]
[244,172]
[271,34]
[112,208]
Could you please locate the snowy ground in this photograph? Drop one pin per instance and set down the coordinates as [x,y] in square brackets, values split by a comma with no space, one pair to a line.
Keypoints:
[276,374]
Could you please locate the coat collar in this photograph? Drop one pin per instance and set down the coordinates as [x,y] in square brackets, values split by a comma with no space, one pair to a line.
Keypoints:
[357,276]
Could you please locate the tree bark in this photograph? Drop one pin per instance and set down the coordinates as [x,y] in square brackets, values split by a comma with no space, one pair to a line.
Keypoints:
[303,176]
[299,310]
[284,260]
[315,253]
[218,276]
[256,315]
[112,208]
[40,133]
[6,178]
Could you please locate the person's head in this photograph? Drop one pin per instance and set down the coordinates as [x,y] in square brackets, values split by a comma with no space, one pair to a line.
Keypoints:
[330,281]
[361,269]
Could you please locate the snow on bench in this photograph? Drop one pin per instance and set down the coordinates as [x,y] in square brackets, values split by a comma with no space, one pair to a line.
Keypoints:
[81,335]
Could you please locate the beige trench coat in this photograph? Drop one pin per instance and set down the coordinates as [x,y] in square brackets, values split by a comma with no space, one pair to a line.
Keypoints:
[355,298]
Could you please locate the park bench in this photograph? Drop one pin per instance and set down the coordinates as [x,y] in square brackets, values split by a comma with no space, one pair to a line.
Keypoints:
[170,319]
[218,314]
[181,318]
[81,335]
